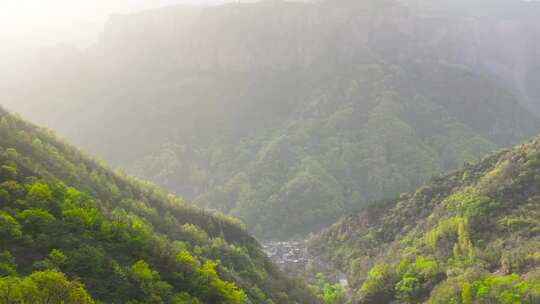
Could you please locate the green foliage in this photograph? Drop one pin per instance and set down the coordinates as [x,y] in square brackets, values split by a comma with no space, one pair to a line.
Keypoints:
[504,290]
[451,237]
[42,287]
[39,193]
[473,205]
[35,221]
[466,294]
[187,260]
[288,162]
[195,234]
[455,240]
[8,171]
[66,216]
[10,229]
[80,218]
[408,290]
[417,279]
[142,271]
[57,258]
[379,285]
[330,293]
[7,264]
[219,291]
[489,289]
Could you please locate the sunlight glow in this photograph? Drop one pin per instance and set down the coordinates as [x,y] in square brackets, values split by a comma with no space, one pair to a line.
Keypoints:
[79,22]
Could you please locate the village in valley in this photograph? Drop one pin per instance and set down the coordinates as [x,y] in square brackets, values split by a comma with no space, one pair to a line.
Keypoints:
[294,258]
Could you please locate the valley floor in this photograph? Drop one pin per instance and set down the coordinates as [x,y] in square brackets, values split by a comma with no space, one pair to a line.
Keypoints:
[294,258]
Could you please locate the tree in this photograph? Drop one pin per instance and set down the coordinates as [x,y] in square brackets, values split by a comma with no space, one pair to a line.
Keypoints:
[466,294]
[9,228]
[151,288]
[11,154]
[54,261]
[501,290]
[187,261]
[379,285]
[46,287]
[8,171]
[7,264]
[80,218]
[35,220]
[184,298]
[217,290]
[408,289]
[39,193]
[11,290]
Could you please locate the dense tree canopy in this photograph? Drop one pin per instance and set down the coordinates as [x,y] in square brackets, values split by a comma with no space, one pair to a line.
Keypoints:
[290,114]
[472,237]
[73,231]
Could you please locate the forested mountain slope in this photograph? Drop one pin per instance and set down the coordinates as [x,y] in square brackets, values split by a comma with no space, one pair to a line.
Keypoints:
[469,237]
[286,114]
[66,217]
[291,152]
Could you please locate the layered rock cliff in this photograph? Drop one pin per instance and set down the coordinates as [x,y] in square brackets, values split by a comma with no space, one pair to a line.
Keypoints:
[500,37]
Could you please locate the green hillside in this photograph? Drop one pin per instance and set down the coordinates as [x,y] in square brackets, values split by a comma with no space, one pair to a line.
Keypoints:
[470,237]
[69,224]
[289,115]
[289,152]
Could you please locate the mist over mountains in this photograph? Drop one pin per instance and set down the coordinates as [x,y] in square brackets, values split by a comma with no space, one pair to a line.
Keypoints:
[364,146]
[291,114]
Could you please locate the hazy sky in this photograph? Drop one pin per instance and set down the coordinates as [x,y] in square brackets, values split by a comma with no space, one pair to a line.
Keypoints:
[49,22]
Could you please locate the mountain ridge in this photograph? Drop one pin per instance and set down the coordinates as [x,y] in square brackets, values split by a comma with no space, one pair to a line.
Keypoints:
[465,224]
[64,216]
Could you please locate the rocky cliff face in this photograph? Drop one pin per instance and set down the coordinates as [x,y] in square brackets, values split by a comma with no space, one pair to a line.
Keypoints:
[243,36]
[501,38]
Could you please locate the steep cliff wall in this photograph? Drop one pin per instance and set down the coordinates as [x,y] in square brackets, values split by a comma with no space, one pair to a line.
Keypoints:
[501,38]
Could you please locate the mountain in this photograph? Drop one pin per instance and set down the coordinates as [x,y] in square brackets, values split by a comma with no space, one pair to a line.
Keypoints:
[292,160]
[73,231]
[289,115]
[500,37]
[472,236]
